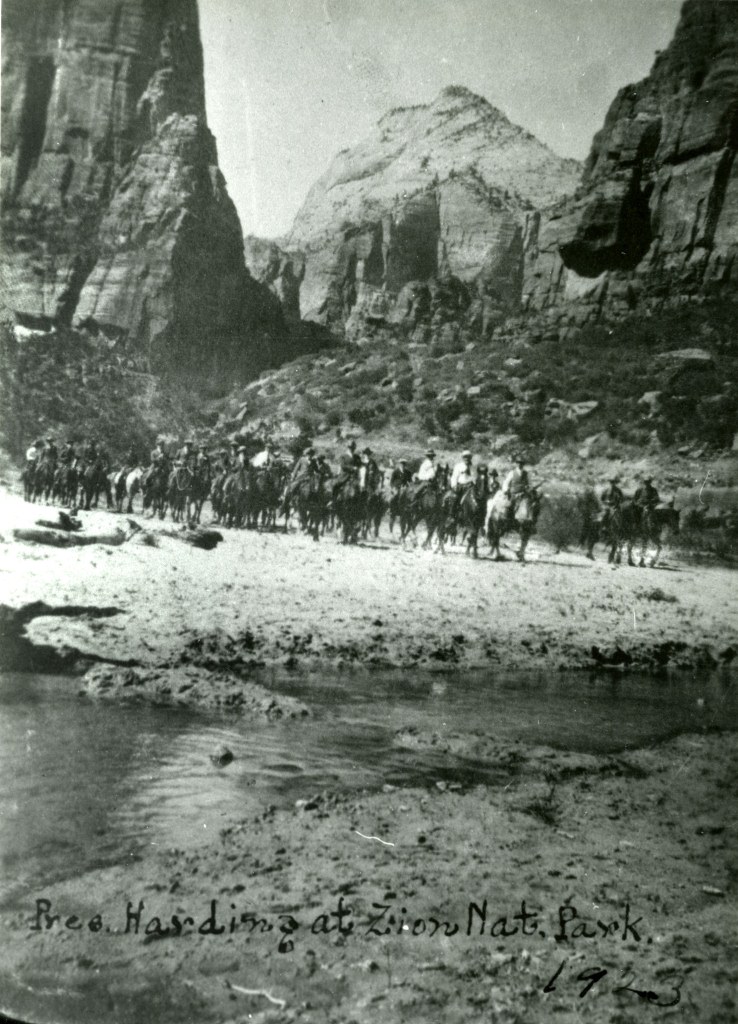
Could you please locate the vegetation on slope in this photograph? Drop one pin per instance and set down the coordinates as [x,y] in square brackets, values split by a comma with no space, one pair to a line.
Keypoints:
[610,382]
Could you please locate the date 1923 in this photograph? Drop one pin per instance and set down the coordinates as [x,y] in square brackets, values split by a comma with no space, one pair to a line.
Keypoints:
[592,975]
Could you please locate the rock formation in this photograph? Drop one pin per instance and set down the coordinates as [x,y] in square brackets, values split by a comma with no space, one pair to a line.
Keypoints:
[280,271]
[436,190]
[115,213]
[656,216]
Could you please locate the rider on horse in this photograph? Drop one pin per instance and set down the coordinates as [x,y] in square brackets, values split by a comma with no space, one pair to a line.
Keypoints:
[264,458]
[462,478]
[50,451]
[369,474]
[612,499]
[348,467]
[516,483]
[34,453]
[400,477]
[427,475]
[646,496]
[186,454]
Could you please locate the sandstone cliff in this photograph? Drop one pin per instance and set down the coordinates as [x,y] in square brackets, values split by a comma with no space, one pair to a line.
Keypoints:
[280,271]
[656,216]
[439,189]
[115,213]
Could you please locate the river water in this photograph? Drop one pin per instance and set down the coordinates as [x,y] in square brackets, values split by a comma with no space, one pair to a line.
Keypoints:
[85,784]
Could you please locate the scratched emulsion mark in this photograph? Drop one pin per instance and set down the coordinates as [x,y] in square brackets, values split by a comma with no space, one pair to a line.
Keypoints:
[382,841]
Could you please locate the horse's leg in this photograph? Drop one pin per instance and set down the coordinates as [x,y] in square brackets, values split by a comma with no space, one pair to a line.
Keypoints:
[524,538]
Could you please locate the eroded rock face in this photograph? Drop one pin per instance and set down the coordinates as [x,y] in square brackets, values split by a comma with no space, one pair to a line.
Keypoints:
[657,212]
[280,271]
[439,190]
[115,213]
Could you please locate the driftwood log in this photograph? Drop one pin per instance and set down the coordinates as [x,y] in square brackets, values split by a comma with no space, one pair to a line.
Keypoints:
[198,536]
[60,539]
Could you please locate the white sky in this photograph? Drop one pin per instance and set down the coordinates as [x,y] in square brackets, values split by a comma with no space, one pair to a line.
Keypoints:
[291,82]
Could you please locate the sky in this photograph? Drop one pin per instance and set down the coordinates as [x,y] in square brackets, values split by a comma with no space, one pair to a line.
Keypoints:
[289,83]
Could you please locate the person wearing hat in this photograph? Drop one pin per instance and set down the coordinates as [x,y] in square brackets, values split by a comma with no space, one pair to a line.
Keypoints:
[369,474]
[158,452]
[612,499]
[400,476]
[265,457]
[322,467]
[516,482]
[231,456]
[348,467]
[241,459]
[646,496]
[186,454]
[90,450]
[462,474]
[67,454]
[34,452]
[494,482]
[306,464]
[428,468]
[50,451]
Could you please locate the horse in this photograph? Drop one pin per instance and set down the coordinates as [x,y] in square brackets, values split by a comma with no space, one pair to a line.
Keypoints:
[42,481]
[471,512]
[92,480]
[425,503]
[65,483]
[154,486]
[179,490]
[127,483]
[376,506]
[631,524]
[503,515]
[349,505]
[199,492]
[308,497]
[235,500]
[267,484]
[28,476]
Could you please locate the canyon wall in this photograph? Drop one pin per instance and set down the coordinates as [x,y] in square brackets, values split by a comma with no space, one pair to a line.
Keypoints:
[115,214]
[655,219]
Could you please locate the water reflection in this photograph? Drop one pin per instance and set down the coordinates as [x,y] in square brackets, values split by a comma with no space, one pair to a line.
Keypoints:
[84,784]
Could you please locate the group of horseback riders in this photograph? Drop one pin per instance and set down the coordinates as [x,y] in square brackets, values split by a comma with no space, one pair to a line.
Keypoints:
[251,489]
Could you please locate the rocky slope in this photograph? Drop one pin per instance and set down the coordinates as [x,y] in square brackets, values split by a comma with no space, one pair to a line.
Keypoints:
[115,213]
[656,216]
[438,189]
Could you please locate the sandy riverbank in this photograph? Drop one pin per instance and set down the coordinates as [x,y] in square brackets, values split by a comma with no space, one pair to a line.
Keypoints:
[271,599]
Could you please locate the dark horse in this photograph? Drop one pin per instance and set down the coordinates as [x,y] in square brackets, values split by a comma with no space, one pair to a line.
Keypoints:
[154,484]
[92,480]
[349,506]
[179,492]
[471,512]
[309,499]
[424,503]
[38,481]
[199,491]
[65,483]
[630,524]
